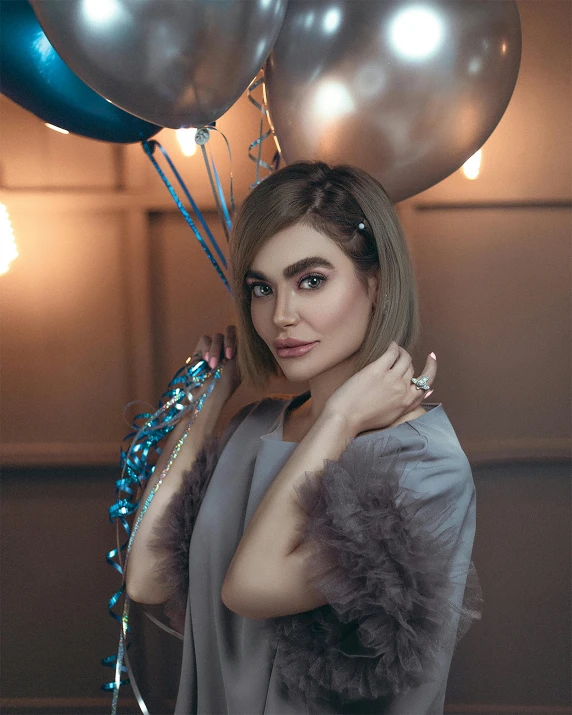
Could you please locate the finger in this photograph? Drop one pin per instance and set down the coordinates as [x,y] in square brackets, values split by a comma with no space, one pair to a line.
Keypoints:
[404,364]
[203,346]
[400,366]
[230,341]
[215,352]
[429,371]
[409,374]
[389,357]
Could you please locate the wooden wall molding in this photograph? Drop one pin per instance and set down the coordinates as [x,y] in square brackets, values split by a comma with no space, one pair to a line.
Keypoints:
[40,454]
[485,451]
[35,454]
[475,205]
[67,200]
[90,706]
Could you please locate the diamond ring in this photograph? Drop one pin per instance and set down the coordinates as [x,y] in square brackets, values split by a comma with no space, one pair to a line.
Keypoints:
[421,383]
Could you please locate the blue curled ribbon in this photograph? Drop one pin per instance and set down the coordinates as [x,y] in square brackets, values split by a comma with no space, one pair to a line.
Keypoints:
[136,468]
[256,82]
[149,147]
[192,202]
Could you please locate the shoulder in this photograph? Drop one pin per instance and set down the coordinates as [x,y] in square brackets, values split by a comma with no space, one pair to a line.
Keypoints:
[260,405]
[423,454]
[444,456]
[255,415]
[442,479]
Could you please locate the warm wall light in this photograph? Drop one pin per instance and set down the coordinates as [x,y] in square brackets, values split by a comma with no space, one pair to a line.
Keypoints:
[472,167]
[8,250]
[187,141]
[57,129]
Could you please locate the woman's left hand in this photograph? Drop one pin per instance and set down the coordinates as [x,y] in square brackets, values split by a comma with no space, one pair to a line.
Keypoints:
[381,392]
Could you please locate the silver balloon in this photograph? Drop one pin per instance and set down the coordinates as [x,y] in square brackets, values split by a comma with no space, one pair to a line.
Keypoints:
[172,62]
[407,91]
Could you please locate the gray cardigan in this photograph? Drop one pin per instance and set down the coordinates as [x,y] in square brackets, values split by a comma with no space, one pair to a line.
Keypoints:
[391,523]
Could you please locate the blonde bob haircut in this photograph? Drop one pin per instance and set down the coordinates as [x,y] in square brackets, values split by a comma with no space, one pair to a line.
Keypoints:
[333,200]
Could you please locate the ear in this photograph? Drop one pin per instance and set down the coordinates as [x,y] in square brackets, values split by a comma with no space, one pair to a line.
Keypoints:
[372,288]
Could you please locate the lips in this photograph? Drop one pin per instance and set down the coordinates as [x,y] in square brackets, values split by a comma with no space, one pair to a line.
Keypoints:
[296,351]
[291,343]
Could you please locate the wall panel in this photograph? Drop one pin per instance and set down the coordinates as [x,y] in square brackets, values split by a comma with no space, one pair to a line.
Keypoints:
[495,303]
[64,338]
[35,156]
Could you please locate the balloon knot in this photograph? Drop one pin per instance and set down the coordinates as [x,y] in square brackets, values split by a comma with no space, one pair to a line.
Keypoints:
[202,136]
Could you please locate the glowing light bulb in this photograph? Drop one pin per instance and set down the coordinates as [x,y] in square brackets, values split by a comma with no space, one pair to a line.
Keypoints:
[57,129]
[8,250]
[186,138]
[472,167]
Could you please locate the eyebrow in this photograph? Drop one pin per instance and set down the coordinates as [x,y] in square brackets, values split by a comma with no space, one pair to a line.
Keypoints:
[295,268]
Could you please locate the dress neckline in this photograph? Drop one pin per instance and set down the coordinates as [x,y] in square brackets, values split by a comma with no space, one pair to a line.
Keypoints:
[297,400]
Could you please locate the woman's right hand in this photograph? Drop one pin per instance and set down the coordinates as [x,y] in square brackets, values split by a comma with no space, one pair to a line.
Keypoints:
[222,348]
[381,392]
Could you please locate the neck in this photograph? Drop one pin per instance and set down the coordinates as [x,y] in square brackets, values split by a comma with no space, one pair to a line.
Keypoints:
[322,386]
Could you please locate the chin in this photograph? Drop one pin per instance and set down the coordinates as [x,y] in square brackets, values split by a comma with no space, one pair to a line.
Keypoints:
[305,372]
[298,373]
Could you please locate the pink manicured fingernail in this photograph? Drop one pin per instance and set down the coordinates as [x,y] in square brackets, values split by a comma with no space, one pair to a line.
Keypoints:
[228,353]
[429,392]
[207,357]
[433,356]
[212,361]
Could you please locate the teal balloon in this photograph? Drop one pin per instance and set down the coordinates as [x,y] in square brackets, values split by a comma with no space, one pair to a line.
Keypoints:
[34,76]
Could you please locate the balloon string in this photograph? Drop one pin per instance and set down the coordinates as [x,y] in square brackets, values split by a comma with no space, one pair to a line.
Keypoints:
[163,626]
[149,147]
[219,201]
[221,193]
[193,204]
[231,189]
[257,143]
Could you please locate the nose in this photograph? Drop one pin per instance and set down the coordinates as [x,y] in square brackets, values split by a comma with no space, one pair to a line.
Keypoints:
[285,309]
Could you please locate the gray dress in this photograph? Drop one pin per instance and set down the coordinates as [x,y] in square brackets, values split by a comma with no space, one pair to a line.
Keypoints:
[392,521]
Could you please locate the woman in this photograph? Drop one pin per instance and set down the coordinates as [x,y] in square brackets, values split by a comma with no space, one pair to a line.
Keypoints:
[328,535]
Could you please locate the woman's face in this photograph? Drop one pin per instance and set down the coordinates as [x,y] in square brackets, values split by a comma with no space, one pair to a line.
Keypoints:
[304,287]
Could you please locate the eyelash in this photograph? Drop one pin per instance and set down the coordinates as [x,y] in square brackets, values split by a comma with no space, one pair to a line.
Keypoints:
[322,278]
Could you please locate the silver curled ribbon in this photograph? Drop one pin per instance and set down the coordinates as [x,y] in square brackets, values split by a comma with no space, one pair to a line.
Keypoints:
[202,137]
[262,135]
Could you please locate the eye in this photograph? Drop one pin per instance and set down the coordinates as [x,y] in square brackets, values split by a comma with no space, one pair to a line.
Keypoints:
[254,286]
[311,279]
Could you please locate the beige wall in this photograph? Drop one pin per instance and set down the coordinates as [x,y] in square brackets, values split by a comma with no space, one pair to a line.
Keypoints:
[111,289]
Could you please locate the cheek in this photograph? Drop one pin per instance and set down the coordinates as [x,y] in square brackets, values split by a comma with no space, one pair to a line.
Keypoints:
[259,319]
[343,311]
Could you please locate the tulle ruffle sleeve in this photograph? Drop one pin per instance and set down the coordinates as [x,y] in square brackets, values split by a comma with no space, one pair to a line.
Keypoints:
[173,532]
[394,563]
